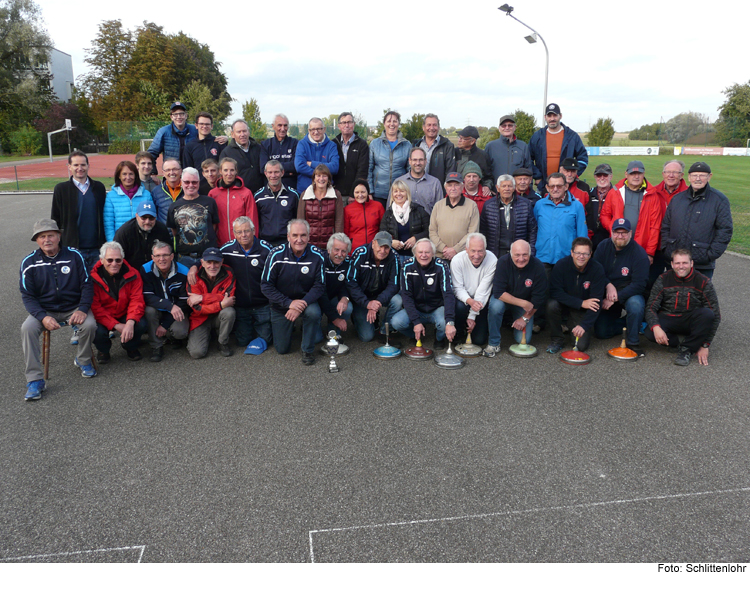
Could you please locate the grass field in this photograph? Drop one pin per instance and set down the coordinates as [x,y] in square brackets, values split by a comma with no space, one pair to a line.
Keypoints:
[731,174]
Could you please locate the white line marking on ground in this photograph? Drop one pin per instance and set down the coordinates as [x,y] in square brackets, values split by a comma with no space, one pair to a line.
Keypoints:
[522,512]
[140,554]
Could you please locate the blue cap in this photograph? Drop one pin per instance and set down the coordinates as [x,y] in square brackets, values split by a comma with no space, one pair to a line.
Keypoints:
[256,347]
[146,208]
[213,254]
[621,224]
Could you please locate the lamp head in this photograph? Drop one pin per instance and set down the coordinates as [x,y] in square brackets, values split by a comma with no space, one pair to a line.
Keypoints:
[506,9]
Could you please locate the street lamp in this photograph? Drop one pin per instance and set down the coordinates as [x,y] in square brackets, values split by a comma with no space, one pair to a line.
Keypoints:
[532,39]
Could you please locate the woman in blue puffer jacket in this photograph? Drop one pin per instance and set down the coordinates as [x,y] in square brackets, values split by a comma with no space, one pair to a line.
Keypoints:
[389,157]
[123,200]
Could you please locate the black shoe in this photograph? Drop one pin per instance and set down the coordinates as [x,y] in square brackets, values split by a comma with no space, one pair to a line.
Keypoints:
[683,357]
[177,344]
[308,358]
[134,355]
[638,350]
[157,354]
[102,357]
[225,350]
[441,344]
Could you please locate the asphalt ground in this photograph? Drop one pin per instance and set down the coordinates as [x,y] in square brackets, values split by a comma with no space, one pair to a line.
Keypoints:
[262,459]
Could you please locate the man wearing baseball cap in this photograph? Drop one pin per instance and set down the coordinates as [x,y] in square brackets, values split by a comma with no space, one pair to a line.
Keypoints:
[507,153]
[626,265]
[453,219]
[212,301]
[138,235]
[467,152]
[707,235]
[554,143]
[56,289]
[597,198]
[171,139]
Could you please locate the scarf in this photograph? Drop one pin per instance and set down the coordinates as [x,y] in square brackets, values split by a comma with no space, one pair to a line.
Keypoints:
[401,213]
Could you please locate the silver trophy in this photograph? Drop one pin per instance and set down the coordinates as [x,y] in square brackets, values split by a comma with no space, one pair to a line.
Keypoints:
[332,348]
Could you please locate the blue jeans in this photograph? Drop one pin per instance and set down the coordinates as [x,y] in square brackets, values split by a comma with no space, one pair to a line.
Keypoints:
[609,323]
[479,334]
[365,330]
[90,257]
[282,329]
[402,324]
[346,315]
[497,311]
[104,344]
[252,321]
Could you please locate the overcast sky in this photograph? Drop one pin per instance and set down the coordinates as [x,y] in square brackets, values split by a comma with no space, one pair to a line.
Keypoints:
[636,62]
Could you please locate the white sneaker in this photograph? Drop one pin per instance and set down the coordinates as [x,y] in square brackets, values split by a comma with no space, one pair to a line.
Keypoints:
[491,350]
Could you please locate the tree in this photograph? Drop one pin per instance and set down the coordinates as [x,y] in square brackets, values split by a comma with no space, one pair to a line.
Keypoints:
[525,125]
[133,74]
[25,89]
[412,129]
[733,125]
[198,98]
[601,133]
[251,114]
[685,125]
[485,137]
[647,132]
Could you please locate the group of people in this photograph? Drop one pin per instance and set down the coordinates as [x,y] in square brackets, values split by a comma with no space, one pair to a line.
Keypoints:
[268,234]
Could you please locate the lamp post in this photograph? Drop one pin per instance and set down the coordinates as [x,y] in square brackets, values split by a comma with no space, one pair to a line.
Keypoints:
[532,39]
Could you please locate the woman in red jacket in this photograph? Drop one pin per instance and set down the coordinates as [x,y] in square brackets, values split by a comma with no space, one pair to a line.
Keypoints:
[362,216]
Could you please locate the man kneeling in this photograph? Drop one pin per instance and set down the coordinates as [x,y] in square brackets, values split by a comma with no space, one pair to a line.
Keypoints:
[212,301]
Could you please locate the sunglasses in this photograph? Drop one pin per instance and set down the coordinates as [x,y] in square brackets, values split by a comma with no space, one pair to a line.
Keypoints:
[113,260]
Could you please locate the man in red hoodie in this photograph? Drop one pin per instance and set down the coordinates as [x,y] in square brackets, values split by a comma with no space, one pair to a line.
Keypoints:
[233,200]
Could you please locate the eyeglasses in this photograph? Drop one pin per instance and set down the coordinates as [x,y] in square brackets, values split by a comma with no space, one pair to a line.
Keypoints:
[161,256]
[179,114]
[190,182]
[698,176]
[315,129]
[552,187]
[673,172]
[582,255]
[507,125]
[113,260]
[346,122]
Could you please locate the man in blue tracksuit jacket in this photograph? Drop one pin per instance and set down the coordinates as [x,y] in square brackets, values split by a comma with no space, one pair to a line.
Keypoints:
[427,296]
[293,282]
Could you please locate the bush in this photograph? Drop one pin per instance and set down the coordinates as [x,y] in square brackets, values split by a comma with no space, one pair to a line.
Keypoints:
[124,147]
[601,132]
[26,140]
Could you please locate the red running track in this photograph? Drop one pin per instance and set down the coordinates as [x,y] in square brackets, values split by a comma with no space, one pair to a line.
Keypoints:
[100,166]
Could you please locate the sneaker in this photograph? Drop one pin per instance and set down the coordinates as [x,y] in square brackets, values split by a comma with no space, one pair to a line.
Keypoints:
[34,390]
[102,357]
[134,355]
[491,350]
[308,358]
[74,336]
[683,357]
[157,354]
[638,350]
[441,344]
[87,371]
[225,350]
[554,348]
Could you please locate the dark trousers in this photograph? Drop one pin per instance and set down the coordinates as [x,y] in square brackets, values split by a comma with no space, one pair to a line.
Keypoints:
[695,325]
[104,344]
[555,311]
